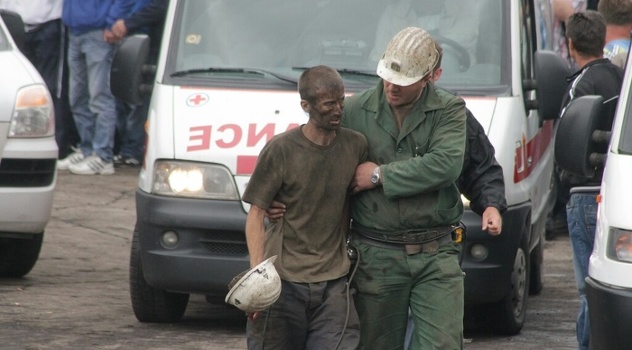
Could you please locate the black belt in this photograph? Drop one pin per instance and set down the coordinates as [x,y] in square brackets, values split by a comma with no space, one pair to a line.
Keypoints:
[415,243]
[409,237]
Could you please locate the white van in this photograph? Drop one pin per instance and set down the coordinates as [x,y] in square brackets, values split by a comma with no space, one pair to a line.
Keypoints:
[609,281]
[225,83]
[28,153]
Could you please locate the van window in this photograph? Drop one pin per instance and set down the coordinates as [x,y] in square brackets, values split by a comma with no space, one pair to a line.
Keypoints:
[527,38]
[625,143]
[280,38]
[4,43]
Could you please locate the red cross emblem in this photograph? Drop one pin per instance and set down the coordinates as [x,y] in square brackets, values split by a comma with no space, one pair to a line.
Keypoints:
[197,100]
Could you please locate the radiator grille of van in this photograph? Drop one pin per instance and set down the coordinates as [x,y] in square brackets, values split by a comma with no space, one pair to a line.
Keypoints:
[227,243]
[27,172]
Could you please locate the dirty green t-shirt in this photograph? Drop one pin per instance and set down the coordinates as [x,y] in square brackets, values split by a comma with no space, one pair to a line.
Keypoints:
[313,181]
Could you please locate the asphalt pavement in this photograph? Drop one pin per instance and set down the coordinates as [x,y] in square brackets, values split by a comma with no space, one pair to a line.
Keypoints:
[77,295]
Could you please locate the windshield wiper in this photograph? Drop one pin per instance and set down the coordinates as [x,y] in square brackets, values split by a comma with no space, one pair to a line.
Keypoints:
[234,70]
[358,72]
[347,71]
[206,70]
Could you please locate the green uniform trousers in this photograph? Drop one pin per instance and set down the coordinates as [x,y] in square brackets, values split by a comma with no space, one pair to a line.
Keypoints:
[388,281]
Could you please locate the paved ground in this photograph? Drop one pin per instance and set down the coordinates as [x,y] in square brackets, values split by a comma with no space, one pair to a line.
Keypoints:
[77,296]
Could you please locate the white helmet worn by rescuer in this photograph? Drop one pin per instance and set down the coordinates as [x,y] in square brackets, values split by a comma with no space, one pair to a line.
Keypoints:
[408,58]
[255,289]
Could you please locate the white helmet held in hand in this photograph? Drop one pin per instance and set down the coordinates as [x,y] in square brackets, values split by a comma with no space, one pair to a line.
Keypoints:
[408,58]
[257,289]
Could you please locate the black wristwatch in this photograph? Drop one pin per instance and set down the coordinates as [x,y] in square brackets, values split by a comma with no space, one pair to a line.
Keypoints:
[375,177]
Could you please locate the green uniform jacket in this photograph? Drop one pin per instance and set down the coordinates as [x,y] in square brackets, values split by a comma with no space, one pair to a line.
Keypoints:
[419,163]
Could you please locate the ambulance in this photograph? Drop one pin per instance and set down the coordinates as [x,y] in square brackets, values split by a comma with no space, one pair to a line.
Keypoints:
[226,83]
[609,281]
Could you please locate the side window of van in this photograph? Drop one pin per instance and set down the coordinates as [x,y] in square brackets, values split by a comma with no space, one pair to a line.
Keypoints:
[527,40]
[4,44]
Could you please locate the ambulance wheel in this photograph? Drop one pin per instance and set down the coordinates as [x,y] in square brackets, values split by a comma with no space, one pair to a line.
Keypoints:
[19,255]
[508,315]
[151,304]
[536,283]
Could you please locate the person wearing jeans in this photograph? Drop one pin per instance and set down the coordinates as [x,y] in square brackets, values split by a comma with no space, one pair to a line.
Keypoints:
[90,58]
[93,105]
[581,214]
[586,34]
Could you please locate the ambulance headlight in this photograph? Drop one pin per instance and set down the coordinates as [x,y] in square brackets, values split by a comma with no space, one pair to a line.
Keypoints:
[195,180]
[620,245]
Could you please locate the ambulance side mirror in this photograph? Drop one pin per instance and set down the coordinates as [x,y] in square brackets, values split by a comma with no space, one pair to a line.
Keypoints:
[550,75]
[577,139]
[129,69]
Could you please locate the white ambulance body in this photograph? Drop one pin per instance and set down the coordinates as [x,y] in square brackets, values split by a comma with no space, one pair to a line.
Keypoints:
[225,83]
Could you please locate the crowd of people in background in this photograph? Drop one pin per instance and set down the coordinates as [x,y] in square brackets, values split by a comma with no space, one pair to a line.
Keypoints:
[72,44]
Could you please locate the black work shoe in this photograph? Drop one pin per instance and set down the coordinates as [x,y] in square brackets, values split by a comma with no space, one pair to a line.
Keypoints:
[131,162]
[125,162]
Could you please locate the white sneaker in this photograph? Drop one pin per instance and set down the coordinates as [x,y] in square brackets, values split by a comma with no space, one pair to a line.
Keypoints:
[73,158]
[92,165]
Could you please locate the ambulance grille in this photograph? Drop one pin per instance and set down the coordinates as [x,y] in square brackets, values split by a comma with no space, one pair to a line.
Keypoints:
[27,172]
[226,243]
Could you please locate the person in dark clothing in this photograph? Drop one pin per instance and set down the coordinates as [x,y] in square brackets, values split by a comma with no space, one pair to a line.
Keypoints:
[148,17]
[586,34]
[481,180]
[93,106]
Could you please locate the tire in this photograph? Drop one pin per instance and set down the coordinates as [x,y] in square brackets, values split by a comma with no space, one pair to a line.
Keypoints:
[151,304]
[508,315]
[19,255]
[536,283]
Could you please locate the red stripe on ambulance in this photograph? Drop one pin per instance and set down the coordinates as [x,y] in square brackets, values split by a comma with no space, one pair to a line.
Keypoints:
[246,164]
[528,154]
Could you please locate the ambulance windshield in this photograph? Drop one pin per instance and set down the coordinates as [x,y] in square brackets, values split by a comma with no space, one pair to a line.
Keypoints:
[283,37]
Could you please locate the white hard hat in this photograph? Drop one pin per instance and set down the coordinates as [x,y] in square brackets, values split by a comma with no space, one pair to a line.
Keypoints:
[409,57]
[257,289]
